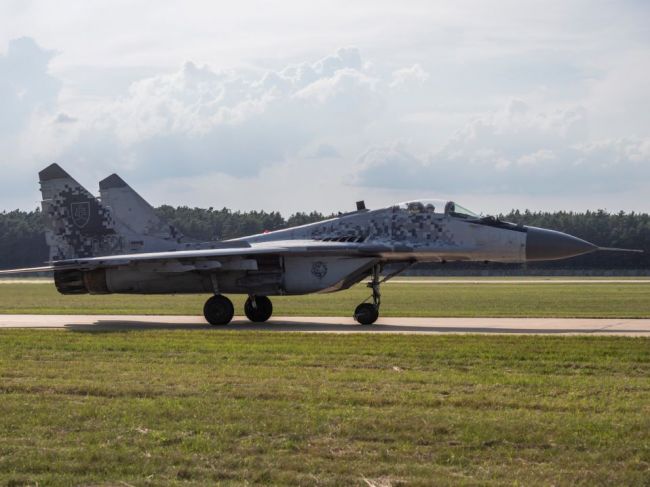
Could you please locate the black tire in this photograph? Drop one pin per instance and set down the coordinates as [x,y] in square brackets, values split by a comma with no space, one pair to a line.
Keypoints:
[366,314]
[262,310]
[218,310]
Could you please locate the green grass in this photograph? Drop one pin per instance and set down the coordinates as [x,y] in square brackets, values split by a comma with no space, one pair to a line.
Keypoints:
[207,407]
[626,300]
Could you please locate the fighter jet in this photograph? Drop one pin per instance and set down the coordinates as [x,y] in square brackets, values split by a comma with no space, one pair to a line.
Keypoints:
[118,244]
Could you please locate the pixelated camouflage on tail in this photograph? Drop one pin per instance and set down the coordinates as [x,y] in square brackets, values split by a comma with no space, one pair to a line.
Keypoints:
[77,224]
[135,212]
[80,225]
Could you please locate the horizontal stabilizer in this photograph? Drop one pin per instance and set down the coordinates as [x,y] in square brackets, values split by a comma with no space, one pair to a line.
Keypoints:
[27,270]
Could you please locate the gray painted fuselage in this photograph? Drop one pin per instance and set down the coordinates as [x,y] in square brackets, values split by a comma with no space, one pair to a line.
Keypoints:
[118,244]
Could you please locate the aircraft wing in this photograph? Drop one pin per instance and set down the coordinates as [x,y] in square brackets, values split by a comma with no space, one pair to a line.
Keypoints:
[212,259]
[209,259]
[288,247]
[27,270]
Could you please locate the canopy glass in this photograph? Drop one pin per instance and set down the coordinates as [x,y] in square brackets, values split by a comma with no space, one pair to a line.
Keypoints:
[437,206]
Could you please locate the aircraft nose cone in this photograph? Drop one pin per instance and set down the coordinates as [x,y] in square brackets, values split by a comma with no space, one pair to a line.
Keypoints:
[543,244]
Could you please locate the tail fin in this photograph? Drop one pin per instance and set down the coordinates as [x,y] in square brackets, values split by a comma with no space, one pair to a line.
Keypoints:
[77,224]
[133,210]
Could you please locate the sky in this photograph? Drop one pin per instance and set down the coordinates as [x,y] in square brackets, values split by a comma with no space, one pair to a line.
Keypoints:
[300,106]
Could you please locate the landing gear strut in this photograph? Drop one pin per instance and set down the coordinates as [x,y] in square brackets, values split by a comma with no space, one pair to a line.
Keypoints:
[218,310]
[258,309]
[367,313]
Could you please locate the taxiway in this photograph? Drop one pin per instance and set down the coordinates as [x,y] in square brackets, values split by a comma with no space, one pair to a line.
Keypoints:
[311,324]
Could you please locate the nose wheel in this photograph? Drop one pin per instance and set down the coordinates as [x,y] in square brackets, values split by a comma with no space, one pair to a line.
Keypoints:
[218,310]
[258,309]
[367,313]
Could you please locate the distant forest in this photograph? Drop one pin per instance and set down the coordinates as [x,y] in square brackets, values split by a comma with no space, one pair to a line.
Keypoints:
[22,243]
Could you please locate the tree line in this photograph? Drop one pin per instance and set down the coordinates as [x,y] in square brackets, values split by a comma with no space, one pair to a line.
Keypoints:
[22,241]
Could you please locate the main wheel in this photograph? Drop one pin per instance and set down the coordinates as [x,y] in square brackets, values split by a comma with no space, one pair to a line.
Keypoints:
[262,310]
[218,310]
[366,313]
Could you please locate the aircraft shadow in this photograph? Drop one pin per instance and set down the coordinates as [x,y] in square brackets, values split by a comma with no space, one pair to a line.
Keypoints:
[110,326]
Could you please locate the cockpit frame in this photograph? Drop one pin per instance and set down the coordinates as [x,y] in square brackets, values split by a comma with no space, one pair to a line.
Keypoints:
[439,206]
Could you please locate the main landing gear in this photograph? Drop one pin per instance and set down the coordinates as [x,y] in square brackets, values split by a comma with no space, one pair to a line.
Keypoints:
[219,310]
[258,309]
[367,313]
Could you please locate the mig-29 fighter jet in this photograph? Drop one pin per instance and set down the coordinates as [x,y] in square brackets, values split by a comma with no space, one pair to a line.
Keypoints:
[118,244]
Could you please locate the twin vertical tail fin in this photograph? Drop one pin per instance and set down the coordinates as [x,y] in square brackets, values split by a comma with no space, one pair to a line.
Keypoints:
[79,225]
[134,211]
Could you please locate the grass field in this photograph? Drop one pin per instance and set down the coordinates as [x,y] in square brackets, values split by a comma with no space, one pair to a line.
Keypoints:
[618,300]
[200,408]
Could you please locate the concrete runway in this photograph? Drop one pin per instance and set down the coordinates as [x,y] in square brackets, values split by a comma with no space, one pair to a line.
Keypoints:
[525,326]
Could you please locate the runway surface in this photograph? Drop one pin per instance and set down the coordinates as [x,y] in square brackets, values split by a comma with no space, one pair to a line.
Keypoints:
[527,326]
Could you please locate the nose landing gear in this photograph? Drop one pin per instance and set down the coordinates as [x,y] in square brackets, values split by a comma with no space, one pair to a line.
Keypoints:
[367,313]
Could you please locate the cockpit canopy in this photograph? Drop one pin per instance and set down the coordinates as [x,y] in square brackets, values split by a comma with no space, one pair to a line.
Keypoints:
[437,206]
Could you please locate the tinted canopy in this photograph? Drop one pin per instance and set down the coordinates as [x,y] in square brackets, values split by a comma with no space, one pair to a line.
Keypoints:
[437,206]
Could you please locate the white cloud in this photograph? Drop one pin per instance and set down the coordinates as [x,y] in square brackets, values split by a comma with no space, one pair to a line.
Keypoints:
[532,104]
[25,85]
[199,120]
[405,76]
[64,118]
[28,99]
[324,151]
[621,96]
[515,150]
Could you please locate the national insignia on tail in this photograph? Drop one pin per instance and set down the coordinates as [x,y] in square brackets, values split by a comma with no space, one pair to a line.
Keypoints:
[80,213]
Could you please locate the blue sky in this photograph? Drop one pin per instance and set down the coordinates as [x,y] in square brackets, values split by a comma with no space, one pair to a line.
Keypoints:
[313,105]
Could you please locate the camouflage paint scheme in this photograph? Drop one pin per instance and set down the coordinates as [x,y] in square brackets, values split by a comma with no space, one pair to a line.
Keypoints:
[118,244]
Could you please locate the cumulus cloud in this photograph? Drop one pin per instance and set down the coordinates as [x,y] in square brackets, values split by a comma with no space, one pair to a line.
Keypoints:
[28,101]
[340,123]
[621,96]
[25,85]
[325,151]
[405,76]
[514,150]
[64,118]
[199,119]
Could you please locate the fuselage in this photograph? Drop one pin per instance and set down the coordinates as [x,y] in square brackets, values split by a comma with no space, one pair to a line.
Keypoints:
[415,232]
[436,231]
[335,254]
[119,244]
